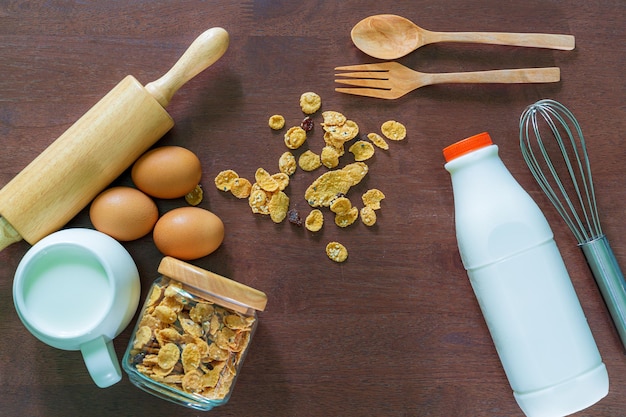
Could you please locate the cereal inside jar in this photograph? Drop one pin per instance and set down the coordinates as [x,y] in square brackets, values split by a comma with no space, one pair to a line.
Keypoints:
[192,336]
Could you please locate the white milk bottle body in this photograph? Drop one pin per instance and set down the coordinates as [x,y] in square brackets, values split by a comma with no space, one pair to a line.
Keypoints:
[522,286]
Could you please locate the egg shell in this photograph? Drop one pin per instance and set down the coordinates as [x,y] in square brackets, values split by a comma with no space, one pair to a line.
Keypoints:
[188,233]
[124,213]
[167,172]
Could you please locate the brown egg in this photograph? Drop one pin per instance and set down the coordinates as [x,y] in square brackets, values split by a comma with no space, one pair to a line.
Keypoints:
[188,233]
[167,172]
[123,213]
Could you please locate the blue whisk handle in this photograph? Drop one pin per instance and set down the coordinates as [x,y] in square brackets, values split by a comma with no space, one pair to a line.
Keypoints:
[610,280]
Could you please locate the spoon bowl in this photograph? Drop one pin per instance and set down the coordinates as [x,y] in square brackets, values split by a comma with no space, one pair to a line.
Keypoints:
[388,36]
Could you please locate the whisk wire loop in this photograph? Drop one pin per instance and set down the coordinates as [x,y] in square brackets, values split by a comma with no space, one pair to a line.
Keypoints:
[573,152]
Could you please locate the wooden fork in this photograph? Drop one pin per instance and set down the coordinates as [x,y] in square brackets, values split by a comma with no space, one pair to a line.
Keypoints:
[392,80]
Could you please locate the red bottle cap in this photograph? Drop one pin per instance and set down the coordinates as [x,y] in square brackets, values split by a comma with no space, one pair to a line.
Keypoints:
[467,145]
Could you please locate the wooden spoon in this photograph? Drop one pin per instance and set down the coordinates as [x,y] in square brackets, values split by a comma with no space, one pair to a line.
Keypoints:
[388,36]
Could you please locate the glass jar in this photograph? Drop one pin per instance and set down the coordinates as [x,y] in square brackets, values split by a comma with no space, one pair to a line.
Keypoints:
[192,335]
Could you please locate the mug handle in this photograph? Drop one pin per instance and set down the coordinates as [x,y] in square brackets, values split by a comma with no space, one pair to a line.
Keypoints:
[101,360]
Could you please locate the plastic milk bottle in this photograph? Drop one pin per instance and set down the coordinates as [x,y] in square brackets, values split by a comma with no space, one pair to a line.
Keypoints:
[524,291]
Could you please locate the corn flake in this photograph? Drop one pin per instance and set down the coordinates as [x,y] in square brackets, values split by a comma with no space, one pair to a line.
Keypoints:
[295,137]
[333,118]
[393,130]
[332,183]
[347,218]
[329,156]
[194,197]
[309,161]
[336,251]
[378,140]
[191,382]
[281,179]
[310,102]
[278,206]
[224,179]
[314,221]
[368,216]
[258,201]
[287,163]
[241,188]
[143,336]
[265,180]
[168,356]
[361,150]
[190,357]
[340,205]
[276,122]
[372,198]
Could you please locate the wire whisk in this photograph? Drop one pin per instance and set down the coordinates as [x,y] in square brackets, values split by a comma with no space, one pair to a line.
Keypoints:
[564,154]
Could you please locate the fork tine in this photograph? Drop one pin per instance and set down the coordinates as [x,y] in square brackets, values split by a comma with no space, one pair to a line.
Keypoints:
[363,67]
[380,75]
[367,92]
[382,84]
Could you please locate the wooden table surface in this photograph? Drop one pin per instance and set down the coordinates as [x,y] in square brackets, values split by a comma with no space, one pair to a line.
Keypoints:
[393,331]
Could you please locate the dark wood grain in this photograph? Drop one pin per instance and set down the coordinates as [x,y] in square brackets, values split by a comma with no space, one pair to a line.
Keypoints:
[395,330]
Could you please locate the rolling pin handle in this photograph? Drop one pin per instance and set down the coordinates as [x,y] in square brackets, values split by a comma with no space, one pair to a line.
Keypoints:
[8,235]
[202,53]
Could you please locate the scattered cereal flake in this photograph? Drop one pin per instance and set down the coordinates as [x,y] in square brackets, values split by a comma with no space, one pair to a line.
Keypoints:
[309,161]
[362,150]
[281,179]
[241,188]
[276,122]
[287,163]
[347,218]
[265,180]
[333,118]
[336,251]
[310,102]
[345,132]
[168,356]
[372,198]
[295,137]
[356,171]
[314,221]
[340,205]
[378,140]
[224,179]
[329,157]
[393,130]
[368,216]
[194,197]
[258,201]
[332,183]
[278,206]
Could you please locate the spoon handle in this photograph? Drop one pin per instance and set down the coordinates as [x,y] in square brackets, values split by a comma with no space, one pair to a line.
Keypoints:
[535,40]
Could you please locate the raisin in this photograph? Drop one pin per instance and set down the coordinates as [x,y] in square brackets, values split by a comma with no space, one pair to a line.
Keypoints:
[307,124]
[294,217]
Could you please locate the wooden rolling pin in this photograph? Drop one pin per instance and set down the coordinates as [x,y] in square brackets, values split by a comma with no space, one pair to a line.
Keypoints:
[96,149]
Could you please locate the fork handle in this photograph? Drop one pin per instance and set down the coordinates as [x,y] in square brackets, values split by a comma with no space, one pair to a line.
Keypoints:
[536,40]
[509,76]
